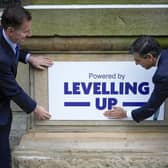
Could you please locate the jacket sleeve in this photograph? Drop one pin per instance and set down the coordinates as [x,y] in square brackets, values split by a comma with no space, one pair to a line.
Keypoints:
[11,90]
[22,55]
[157,97]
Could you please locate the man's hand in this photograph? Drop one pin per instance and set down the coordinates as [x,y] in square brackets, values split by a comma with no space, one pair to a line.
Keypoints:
[41,113]
[40,62]
[116,113]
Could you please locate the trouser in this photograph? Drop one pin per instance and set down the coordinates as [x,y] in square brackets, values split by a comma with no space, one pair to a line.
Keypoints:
[5,153]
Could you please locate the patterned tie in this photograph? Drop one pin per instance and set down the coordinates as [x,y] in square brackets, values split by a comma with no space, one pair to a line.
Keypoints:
[17,52]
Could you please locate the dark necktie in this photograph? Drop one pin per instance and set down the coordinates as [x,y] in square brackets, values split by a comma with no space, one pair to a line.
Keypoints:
[156,114]
[17,52]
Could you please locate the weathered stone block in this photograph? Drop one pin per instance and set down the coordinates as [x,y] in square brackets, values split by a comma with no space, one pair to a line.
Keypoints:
[93,150]
[100,22]
[19,127]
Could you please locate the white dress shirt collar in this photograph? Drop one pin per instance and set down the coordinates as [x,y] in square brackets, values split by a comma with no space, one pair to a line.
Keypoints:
[157,61]
[11,44]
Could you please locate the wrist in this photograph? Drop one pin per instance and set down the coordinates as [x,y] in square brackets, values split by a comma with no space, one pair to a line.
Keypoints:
[125,114]
[36,108]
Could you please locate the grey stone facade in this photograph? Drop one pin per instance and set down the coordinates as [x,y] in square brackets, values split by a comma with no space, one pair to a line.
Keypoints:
[98,145]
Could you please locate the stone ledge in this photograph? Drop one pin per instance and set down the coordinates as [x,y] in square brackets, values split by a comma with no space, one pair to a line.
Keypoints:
[57,44]
[93,150]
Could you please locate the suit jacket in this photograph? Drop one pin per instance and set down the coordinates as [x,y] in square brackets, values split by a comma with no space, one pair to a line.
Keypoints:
[160,92]
[9,88]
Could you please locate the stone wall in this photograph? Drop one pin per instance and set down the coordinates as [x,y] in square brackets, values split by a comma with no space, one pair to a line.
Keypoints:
[70,29]
[59,31]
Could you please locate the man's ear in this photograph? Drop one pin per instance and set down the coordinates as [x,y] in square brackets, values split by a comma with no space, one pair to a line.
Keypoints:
[149,55]
[151,58]
[10,30]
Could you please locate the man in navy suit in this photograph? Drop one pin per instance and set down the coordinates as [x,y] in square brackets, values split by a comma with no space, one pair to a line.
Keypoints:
[16,26]
[147,53]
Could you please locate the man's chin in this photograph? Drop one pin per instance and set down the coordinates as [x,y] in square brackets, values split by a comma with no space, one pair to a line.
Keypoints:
[147,68]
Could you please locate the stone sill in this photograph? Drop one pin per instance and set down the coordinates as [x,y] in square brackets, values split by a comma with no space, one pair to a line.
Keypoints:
[116,142]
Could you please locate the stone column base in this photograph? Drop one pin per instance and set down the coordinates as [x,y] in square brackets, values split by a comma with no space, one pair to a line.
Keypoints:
[92,150]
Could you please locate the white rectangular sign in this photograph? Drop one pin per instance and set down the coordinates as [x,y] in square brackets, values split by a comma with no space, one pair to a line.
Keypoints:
[84,90]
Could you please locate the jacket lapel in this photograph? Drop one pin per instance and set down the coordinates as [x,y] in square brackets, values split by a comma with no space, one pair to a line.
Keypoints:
[10,53]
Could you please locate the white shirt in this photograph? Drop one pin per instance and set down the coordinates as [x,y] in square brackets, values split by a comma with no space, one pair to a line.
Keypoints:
[13,45]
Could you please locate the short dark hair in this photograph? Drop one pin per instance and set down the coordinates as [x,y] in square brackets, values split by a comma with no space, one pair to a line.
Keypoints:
[14,16]
[144,45]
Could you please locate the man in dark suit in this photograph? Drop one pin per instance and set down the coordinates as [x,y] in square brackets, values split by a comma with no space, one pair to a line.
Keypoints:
[16,26]
[147,53]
